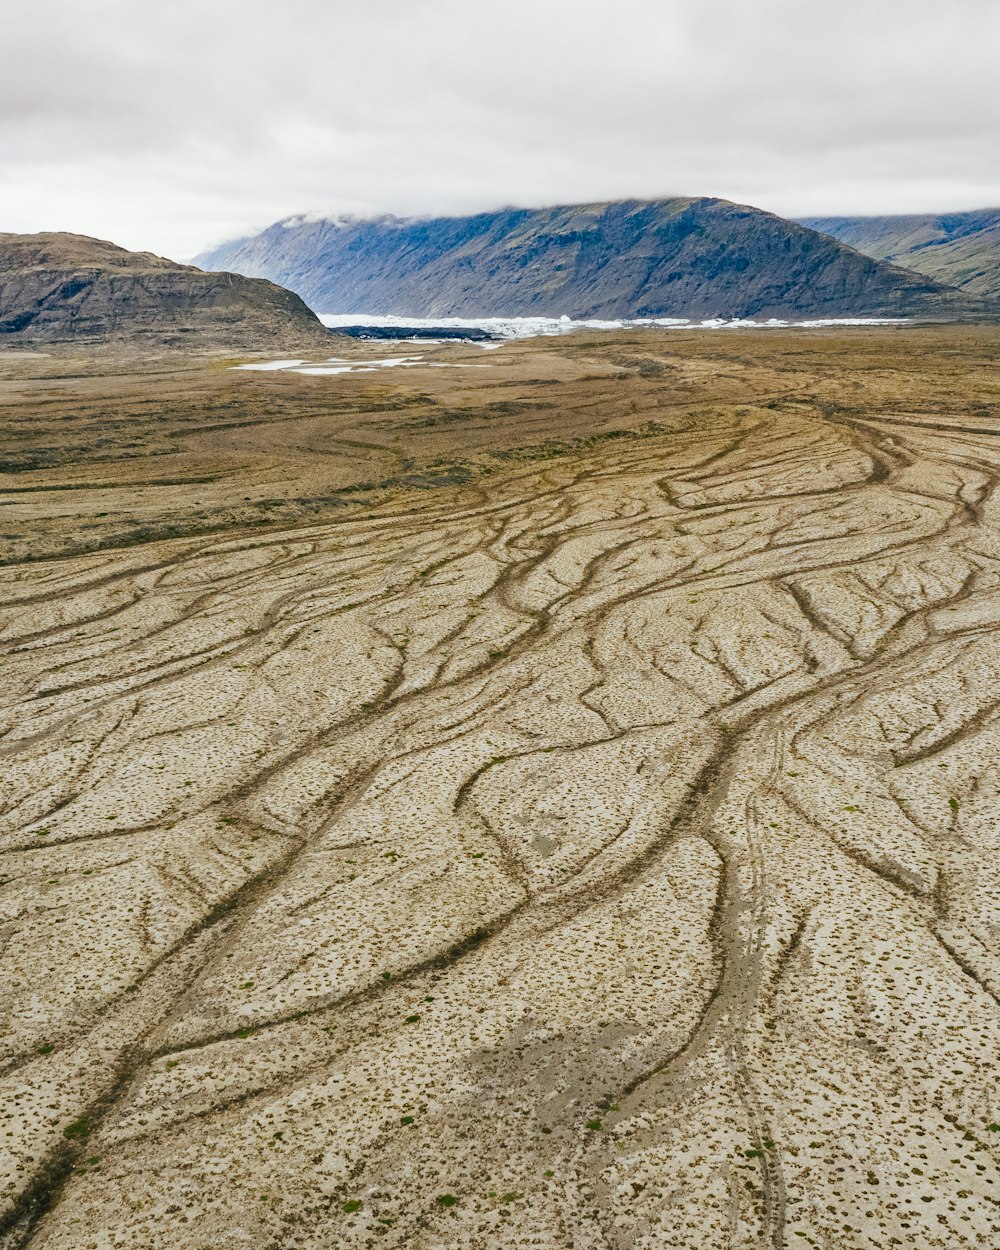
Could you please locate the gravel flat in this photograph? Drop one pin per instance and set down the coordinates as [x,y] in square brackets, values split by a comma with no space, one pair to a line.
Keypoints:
[550,805]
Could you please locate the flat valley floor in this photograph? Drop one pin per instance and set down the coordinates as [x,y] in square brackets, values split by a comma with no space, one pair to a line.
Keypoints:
[541,797]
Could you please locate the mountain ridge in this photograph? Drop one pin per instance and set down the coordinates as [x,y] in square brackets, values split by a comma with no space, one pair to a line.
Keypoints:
[683,256]
[962,249]
[58,285]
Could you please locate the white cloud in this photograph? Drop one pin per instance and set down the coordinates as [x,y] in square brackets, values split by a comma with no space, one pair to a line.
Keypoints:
[172,126]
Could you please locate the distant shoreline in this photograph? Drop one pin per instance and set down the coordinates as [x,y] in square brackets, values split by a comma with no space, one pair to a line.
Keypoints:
[479,329]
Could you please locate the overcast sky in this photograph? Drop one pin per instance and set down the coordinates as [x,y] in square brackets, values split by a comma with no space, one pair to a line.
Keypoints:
[172,125]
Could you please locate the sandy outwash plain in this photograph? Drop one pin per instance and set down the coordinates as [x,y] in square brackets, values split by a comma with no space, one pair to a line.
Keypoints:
[551,803]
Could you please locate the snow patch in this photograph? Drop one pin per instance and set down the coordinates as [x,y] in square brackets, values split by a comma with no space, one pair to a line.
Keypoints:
[337,364]
[534,327]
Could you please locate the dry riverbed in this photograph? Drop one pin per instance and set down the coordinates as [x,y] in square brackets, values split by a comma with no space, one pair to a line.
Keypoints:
[550,803]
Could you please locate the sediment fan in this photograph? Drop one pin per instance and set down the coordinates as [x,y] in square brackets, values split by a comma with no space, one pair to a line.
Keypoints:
[581,832]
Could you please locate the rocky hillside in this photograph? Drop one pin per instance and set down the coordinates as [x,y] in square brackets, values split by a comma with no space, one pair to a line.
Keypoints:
[677,257]
[962,249]
[64,286]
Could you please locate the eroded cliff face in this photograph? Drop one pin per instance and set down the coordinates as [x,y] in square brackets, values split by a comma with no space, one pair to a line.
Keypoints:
[678,257]
[55,287]
[599,853]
